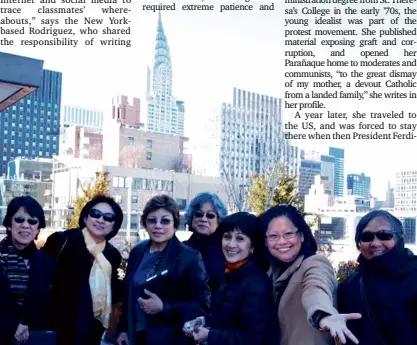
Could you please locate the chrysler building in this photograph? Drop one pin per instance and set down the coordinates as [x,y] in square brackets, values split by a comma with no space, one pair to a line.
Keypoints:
[165,113]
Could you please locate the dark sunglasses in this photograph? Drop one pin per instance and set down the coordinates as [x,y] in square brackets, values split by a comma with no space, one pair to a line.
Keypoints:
[107,216]
[382,235]
[200,214]
[163,221]
[21,219]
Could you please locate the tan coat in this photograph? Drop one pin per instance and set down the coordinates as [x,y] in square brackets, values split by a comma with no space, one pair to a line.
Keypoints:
[312,287]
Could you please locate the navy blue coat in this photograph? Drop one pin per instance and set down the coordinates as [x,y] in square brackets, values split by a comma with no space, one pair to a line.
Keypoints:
[183,290]
[243,311]
[390,283]
[36,313]
[210,248]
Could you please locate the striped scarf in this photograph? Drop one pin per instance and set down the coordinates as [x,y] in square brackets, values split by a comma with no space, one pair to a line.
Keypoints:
[16,269]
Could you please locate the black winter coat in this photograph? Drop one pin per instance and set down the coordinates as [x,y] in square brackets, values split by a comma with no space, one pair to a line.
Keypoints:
[183,290]
[243,313]
[210,248]
[36,313]
[71,292]
[390,283]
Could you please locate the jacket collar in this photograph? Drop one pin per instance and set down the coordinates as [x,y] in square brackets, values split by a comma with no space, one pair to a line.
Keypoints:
[281,274]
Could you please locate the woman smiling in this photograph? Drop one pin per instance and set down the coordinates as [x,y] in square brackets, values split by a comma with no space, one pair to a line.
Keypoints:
[87,283]
[304,282]
[166,282]
[242,310]
[26,274]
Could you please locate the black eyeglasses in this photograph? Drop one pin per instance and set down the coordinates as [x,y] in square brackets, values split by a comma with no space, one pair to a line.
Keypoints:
[21,219]
[107,216]
[382,235]
[200,214]
[162,221]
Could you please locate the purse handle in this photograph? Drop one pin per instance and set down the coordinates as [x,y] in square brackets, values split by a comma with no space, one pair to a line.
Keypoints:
[369,311]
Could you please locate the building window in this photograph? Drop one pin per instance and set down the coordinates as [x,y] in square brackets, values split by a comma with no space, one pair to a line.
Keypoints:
[149,144]
[131,140]
[134,199]
[182,204]
[148,156]
[118,198]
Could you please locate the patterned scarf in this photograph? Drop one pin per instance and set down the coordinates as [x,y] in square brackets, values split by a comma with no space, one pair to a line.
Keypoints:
[13,260]
[100,280]
[230,267]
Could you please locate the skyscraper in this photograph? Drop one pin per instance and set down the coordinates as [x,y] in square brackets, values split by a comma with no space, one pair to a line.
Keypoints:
[339,170]
[78,116]
[389,197]
[30,128]
[165,113]
[359,184]
[244,137]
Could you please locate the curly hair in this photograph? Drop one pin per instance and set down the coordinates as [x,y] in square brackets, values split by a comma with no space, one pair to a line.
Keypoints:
[199,201]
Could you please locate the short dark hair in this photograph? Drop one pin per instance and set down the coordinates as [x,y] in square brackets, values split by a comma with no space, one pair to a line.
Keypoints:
[115,207]
[309,246]
[247,223]
[394,221]
[161,201]
[31,206]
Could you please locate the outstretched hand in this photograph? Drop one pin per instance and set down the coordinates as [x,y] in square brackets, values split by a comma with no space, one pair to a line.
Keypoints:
[336,326]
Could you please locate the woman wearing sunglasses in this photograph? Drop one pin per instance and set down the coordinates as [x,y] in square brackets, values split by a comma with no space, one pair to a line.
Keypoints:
[304,283]
[26,274]
[384,288]
[166,282]
[203,215]
[87,283]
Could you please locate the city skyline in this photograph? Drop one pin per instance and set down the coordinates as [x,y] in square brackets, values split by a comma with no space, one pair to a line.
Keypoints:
[208,62]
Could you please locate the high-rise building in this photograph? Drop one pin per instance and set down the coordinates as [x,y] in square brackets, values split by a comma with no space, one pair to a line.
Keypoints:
[327,172]
[389,197]
[78,116]
[339,170]
[406,191]
[245,137]
[359,185]
[30,127]
[308,171]
[165,113]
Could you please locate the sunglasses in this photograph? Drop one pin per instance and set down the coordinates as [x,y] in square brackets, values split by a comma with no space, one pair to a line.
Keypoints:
[382,235]
[21,219]
[97,214]
[154,221]
[200,214]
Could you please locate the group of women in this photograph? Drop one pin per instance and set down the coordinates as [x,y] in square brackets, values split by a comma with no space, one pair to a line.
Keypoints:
[239,279]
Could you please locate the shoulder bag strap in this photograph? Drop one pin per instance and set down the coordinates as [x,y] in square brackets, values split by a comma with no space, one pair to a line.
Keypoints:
[369,310]
[60,251]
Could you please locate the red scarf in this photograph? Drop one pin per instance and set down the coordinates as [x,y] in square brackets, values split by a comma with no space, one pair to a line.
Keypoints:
[234,266]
